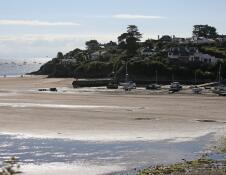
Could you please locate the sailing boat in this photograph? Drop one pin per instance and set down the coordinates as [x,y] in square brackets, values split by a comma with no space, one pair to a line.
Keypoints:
[155,86]
[196,89]
[128,85]
[220,89]
[113,84]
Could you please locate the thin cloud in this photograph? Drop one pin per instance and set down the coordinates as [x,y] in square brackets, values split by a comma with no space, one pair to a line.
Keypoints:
[57,37]
[36,23]
[129,16]
[41,45]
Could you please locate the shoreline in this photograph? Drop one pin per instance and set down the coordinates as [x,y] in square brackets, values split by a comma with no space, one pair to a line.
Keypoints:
[28,154]
[96,115]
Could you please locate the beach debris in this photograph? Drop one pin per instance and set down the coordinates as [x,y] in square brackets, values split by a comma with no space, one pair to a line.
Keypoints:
[10,167]
[53,89]
[42,90]
[50,89]
[207,121]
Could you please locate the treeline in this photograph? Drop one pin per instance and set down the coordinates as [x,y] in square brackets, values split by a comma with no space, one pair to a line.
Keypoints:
[109,59]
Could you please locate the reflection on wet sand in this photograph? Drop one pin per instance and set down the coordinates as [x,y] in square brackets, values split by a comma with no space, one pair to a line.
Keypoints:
[34,152]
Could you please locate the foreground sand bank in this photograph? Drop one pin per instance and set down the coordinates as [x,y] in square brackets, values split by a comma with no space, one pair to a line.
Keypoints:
[101,116]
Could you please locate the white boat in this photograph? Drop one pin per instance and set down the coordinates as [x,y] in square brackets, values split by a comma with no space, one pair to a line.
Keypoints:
[221,88]
[175,87]
[155,86]
[196,90]
[128,86]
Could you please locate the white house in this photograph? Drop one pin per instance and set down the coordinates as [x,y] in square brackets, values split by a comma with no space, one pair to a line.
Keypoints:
[190,54]
[203,58]
[96,55]
[221,38]
[202,40]
[147,52]
[180,40]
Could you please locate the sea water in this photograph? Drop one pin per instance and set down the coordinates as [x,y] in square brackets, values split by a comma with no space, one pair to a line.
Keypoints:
[92,158]
[18,68]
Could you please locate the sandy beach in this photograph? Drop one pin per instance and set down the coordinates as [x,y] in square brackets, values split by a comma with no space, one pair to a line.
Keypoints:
[100,131]
[92,115]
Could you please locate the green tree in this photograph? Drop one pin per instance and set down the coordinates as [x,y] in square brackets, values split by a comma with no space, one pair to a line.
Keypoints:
[110,44]
[166,38]
[60,56]
[92,45]
[130,40]
[81,57]
[204,31]
[149,44]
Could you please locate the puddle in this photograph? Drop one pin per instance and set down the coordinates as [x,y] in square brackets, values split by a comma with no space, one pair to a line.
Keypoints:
[207,121]
[145,118]
[127,155]
[210,121]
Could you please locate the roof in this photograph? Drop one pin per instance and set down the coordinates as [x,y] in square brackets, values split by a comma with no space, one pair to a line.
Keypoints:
[182,51]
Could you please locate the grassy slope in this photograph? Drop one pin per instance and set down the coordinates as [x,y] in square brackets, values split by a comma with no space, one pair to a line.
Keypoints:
[202,166]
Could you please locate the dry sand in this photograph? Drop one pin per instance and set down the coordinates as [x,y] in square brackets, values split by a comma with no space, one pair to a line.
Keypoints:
[91,114]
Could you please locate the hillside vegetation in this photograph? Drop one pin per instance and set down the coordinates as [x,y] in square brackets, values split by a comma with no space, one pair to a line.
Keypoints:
[110,59]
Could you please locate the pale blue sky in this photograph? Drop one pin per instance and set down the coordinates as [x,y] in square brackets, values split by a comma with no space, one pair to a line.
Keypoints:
[39,28]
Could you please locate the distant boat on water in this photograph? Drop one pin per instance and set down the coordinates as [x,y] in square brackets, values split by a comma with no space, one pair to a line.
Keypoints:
[17,67]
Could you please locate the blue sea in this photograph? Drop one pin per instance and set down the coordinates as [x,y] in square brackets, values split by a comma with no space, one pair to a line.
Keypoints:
[86,154]
[18,68]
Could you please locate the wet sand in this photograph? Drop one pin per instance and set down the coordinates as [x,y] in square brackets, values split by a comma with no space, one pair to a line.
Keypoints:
[111,119]
[65,156]
[89,114]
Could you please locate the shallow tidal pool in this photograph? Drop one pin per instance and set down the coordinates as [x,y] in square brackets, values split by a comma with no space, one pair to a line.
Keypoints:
[48,156]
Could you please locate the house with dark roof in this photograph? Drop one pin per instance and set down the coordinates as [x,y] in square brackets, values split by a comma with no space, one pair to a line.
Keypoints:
[190,54]
[221,38]
[146,51]
[181,53]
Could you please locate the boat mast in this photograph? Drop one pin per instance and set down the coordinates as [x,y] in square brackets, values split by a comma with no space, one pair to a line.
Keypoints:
[195,77]
[219,75]
[156,77]
[126,78]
